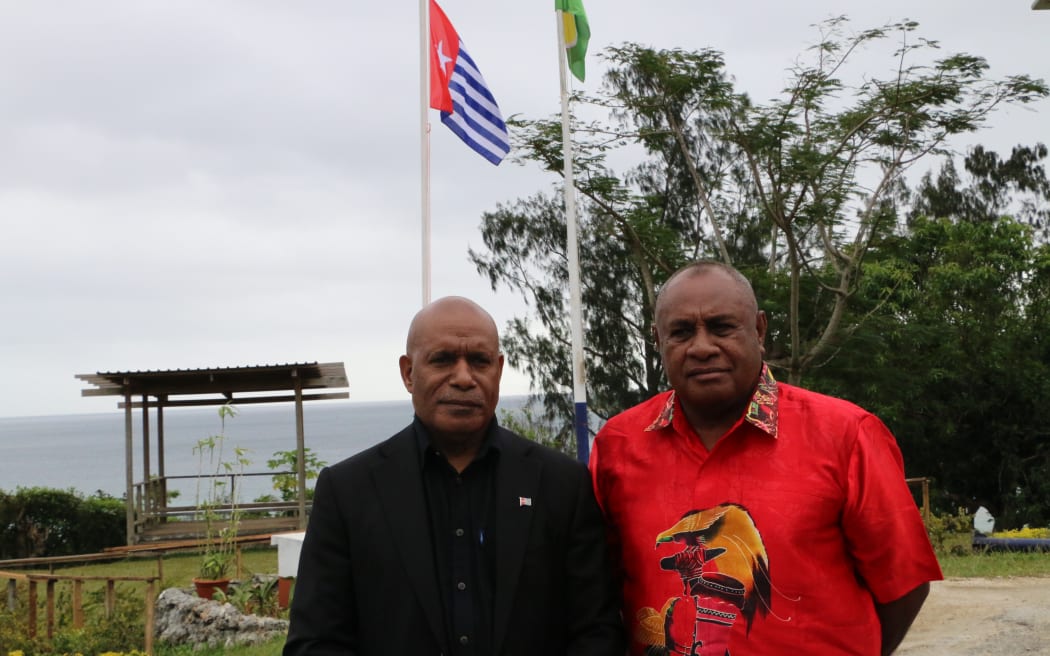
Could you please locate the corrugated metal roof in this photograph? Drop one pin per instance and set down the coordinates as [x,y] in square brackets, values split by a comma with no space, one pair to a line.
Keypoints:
[216,380]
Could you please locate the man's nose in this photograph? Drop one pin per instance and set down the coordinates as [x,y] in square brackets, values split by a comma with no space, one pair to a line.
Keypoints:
[702,345]
[462,374]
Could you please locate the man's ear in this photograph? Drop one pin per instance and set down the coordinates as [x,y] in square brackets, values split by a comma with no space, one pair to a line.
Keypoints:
[405,363]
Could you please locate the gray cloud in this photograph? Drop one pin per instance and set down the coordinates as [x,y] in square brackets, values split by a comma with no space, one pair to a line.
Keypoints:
[220,183]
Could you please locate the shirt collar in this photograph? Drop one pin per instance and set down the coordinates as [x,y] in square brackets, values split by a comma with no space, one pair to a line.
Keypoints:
[491,440]
[761,411]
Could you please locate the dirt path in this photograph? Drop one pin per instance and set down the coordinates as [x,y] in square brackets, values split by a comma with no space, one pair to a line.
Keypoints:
[982,617]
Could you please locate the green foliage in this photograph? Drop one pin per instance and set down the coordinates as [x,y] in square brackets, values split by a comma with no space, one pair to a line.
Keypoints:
[217,504]
[14,635]
[954,355]
[951,534]
[257,596]
[1024,533]
[529,424]
[121,631]
[797,192]
[287,485]
[40,521]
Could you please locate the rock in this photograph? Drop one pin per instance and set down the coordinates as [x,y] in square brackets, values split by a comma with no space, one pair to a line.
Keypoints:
[186,619]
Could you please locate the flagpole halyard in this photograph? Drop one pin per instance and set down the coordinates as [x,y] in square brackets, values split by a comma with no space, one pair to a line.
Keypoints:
[579,372]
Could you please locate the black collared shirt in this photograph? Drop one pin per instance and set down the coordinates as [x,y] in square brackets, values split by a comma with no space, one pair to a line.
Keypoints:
[461,509]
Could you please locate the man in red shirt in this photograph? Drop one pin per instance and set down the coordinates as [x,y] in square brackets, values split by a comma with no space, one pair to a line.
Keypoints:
[750,516]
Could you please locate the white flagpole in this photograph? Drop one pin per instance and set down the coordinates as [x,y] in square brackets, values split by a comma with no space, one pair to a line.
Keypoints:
[424,138]
[579,373]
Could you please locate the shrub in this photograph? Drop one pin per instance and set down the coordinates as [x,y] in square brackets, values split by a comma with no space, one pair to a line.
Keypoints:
[257,596]
[951,533]
[1026,532]
[40,521]
[288,484]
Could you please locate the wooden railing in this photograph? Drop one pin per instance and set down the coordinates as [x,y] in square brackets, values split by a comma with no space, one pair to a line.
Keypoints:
[155,519]
[925,482]
[33,580]
[157,550]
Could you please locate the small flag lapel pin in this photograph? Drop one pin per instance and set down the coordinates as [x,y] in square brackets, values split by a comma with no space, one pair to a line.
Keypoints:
[524,501]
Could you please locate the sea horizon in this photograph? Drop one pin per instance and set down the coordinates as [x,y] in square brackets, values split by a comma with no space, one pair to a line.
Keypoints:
[85,451]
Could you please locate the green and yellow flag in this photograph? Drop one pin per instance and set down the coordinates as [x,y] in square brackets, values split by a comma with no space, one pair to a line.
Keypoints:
[577,34]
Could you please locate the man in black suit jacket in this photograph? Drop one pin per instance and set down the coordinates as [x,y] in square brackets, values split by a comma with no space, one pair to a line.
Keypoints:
[455,536]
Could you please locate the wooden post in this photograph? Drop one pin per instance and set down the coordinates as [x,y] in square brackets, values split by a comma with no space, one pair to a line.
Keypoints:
[129,475]
[50,608]
[111,598]
[925,509]
[78,604]
[146,483]
[926,500]
[162,473]
[300,449]
[31,629]
[12,590]
[151,616]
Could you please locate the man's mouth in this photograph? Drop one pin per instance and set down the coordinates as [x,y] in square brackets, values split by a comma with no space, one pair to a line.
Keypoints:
[706,372]
[466,404]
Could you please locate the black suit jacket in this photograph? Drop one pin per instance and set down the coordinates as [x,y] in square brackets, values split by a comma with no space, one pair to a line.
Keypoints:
[367,583]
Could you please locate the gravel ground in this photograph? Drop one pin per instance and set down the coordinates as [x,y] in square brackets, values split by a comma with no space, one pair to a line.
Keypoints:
[985,617]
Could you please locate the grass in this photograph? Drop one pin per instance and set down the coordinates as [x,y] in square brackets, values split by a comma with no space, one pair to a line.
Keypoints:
[995,564]
[959,560]
[179,570]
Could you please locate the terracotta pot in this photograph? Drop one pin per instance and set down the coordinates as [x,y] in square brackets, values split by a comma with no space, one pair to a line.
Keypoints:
[206,587]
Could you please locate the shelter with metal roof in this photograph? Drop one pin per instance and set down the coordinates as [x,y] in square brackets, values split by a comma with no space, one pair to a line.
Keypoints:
[149,517]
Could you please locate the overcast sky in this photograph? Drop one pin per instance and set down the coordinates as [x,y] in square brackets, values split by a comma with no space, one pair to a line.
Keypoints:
[235,182]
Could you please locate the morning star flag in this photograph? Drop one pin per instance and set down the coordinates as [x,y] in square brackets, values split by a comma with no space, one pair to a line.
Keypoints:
[577,34]
[458,90]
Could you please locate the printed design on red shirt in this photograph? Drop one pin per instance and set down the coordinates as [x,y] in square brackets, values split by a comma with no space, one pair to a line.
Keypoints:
[761,411]
[724,570]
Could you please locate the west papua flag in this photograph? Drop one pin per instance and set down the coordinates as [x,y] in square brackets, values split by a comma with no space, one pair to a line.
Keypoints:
[459,91]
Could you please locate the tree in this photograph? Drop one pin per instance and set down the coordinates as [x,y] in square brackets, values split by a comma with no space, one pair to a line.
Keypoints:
[955,357]
[793,192]
[1017,186]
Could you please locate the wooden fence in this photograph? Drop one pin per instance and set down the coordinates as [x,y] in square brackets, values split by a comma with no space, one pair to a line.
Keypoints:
[33,580]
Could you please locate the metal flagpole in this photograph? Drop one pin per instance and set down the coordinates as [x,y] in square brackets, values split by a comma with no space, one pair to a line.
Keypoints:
[424,137]
[579,373]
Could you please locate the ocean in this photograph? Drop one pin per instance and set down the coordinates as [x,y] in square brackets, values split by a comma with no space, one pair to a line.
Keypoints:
[85,452]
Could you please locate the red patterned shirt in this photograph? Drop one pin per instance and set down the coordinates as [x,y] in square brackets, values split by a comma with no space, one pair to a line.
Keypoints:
[791,527]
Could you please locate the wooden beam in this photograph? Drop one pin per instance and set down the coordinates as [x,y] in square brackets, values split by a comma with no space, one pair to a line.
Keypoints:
[244,400]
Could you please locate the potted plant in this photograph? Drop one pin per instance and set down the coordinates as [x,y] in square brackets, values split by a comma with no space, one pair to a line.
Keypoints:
[217,507]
